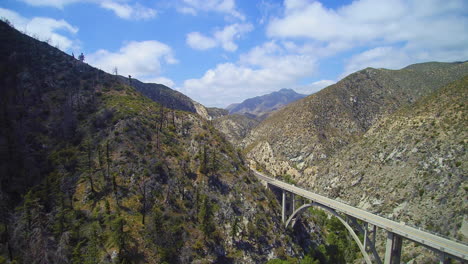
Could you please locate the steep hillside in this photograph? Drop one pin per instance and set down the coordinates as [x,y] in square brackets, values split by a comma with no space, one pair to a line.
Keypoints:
[314,128]
[215,112]
[235,127]
[266,104]
[410,166]
[93,171]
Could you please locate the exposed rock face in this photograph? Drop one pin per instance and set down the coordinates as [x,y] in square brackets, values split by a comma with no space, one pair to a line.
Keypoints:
[215,112]
[265,104]
[235,127]
[247,115]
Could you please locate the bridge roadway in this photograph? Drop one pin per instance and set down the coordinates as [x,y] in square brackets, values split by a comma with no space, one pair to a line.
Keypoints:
[452,248]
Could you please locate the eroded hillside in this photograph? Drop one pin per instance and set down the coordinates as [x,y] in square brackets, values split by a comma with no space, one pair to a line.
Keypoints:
[235,127]
[314,128]
[410,166]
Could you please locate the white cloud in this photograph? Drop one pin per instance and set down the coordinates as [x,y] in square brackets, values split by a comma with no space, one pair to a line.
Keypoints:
[395,32]
[367,20]
[380,57]
[43,28]
[121,8]
[126,11]
[197,41]
[227,7]
[161,80]
[224,38]
[142,59]
[53,3]
[313,87]
[396,58]
[264,69]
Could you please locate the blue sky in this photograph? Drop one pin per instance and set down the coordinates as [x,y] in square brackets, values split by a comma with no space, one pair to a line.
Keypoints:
[220,52]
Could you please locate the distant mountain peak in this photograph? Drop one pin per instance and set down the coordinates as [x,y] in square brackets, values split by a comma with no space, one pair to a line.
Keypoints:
[265,104]
[287,90]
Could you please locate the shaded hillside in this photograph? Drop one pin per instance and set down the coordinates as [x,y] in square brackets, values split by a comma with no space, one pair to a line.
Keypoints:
[316,127]
[266,104]
[93,171]
[162,94]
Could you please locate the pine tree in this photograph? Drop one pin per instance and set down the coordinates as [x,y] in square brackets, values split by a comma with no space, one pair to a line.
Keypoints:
[92,249]
[108,160]
[30,208]
[90,168]
[235,227]
[214,162]
[77,255]
[157,222]
[204,161]
[101,163]
[142,189]
[119,236]
[205,215]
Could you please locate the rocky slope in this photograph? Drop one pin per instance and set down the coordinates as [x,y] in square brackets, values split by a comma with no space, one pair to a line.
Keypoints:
[235,127]
[314,128]
[265,104]
[92,170]
[215,112]
[409,166]
[391,142]
[247,115]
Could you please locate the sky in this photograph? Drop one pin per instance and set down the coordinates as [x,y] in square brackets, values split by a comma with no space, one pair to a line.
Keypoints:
[220,52]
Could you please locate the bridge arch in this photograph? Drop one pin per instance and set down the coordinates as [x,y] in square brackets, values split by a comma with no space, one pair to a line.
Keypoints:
[292,221]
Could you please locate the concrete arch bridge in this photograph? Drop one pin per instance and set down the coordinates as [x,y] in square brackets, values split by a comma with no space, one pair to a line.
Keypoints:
[348,215]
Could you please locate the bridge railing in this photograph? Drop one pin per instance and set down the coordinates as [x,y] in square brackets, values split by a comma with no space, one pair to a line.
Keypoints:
[397,220]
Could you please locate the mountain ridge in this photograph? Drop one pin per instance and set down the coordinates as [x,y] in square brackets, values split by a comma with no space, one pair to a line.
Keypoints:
[343,111]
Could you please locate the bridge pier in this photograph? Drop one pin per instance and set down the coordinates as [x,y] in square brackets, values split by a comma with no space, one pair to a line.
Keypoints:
[365,235]
[368,244]
[443,259]
[393,249]
[288,205]
[293,198]
[374,234]
[283,207]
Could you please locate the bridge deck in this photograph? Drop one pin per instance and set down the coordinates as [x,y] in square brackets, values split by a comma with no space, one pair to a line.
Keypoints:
[447,246]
